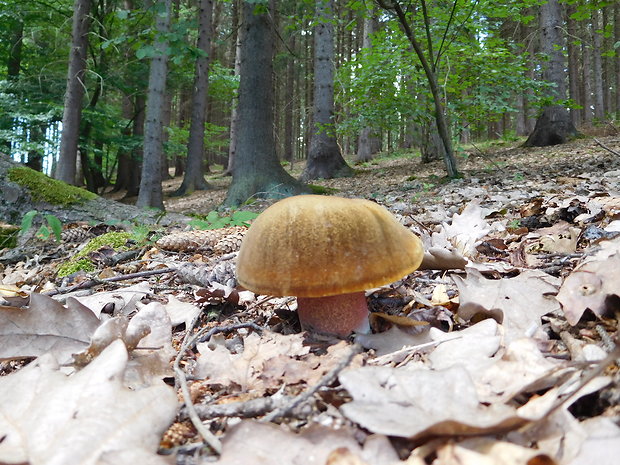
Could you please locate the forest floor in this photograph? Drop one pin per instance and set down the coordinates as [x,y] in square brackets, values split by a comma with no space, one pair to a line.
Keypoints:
[512,358]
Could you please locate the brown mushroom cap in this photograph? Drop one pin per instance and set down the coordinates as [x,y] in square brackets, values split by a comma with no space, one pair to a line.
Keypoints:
[315,246]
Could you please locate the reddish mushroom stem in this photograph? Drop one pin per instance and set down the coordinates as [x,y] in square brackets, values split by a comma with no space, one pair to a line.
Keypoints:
[339,315]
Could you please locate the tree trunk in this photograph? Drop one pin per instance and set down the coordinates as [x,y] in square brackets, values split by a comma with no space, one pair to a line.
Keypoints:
[368,144]
[554,125]
[586,68]
[289,102]
[617,59]
[234,115]
[150,194]
[257,172]
[13,68]
[72,115]
[324,157]
[597,65]
[194,173]
[573,65]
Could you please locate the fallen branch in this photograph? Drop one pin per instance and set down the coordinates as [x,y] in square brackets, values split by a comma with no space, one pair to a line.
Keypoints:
[605,147]
[94,282]
[327,379]
[181,379]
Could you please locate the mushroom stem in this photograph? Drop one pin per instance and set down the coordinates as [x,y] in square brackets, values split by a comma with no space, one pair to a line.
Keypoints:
[338,315]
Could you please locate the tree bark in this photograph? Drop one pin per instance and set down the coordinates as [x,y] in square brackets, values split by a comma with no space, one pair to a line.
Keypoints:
[597,65]
[368,143]
[194,173]
[234,114]
[72,114]
[554,125]
[324,157]
[573,65]
[257,172]
[151,194]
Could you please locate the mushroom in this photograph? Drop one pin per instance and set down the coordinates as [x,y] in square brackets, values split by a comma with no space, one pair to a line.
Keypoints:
[326,251]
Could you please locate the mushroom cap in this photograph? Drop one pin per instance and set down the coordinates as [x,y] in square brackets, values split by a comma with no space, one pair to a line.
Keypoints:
[316,246]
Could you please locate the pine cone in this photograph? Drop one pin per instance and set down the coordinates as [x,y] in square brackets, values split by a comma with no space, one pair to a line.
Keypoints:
[75,235]
[231,242]
[203,240]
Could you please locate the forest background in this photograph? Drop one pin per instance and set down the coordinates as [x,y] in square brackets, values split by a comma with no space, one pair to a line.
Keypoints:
[122,93]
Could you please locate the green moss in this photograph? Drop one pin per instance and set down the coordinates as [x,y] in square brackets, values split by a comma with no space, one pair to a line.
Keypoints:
[43,188]
[79,262]
[114,239]
[322,190]
[73,266]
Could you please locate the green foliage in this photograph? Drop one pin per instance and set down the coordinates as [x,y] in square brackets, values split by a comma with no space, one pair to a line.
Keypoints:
[322,190]
[213,220]
[8,235]
[46,189]
[51,226]
[179,136]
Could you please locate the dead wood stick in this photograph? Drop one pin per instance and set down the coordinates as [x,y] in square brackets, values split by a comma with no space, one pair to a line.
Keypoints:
[93,282]
[605,147]
[181,379]
[324,381]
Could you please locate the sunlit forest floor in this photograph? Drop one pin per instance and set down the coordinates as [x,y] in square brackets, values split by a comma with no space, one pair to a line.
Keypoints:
[401,178]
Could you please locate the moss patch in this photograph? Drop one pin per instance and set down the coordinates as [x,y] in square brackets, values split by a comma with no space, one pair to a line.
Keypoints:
[43,188]
[80,262]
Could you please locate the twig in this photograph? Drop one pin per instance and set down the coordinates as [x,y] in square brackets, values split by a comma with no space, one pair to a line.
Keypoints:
[181,379]
[248,409]
[94,282]
[605,147]
[324,381]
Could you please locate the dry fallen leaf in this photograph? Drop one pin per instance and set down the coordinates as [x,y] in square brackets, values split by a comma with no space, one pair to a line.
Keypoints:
[517,303]
[45,326]
[268,444]
[47,417]
[593,284]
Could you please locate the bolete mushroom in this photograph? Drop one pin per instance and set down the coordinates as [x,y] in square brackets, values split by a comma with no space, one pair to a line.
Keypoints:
[326,251]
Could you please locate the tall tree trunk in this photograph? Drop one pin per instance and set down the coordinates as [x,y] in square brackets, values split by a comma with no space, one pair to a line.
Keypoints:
[431,76]
[324,157]
[234,115]
[597,65]
[554,125]
[194,174]
[72,115]
[617,59]
[257,172]
[13,68]
[151,194]
[573,65]
[586,68]
[368,143]
[289,103]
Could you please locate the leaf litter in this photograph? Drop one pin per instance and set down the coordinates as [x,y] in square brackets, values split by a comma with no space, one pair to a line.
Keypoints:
[502,349]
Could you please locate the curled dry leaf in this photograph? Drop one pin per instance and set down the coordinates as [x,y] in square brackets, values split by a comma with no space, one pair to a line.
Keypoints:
[45,326]
[592,285]
[47,417]
[517,303]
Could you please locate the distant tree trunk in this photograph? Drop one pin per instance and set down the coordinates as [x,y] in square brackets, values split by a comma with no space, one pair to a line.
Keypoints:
[257,172]
[586,68]
[617,59]
[573,65]
[151,194]
[65,171]
[431,76]
[13,68]
[289,103]
[194,173]
[608,61]
[368,144]
[324,157]
[234,115]
[554,125]
[597,65]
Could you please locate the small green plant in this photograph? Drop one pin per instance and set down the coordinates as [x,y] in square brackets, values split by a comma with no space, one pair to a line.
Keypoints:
[214,220]
[518,177]
[514,224]
[51,226]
